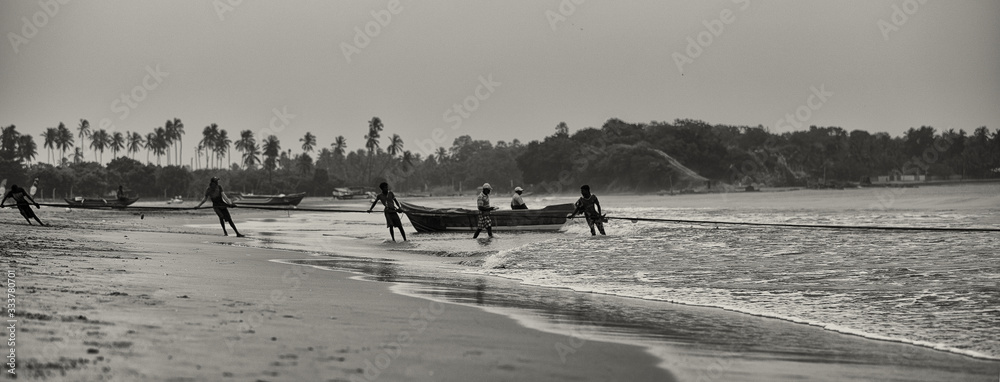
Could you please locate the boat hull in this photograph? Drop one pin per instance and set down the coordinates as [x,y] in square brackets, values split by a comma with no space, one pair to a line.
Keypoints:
[270,200]
[95,202]
[426,219]
[352,192]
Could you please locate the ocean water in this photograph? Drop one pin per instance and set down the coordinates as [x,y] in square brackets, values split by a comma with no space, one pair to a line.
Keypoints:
[934,289]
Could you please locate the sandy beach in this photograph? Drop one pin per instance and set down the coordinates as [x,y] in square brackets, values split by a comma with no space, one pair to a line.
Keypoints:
[104,295]
[111,304]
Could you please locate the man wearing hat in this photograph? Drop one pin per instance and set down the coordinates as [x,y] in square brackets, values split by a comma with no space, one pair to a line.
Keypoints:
[221,204]
[483,202]
[516,203]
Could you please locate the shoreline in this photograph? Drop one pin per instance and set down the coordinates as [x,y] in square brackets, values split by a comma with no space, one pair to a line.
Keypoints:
[876,354]
[792,320]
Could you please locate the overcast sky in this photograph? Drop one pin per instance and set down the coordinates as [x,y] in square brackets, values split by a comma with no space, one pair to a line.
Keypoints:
[857,64]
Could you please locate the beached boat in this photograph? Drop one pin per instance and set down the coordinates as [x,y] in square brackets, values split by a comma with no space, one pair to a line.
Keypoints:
[425,219]
[352,192]
[99,202]
[268,200]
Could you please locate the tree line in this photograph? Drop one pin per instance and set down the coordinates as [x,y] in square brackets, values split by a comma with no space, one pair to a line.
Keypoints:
[618,156]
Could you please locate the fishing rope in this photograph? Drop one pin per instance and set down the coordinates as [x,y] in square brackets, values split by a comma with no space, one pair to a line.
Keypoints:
[551,215]
[824,226]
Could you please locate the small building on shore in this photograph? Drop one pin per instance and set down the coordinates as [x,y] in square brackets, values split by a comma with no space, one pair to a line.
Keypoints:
[896,178]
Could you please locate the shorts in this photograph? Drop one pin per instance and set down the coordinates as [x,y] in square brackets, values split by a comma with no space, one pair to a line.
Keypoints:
[223,213]
[392,219]
[484,220]
[595,219]
[26,211]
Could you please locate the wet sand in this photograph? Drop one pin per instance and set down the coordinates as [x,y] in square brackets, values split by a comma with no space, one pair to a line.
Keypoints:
[114,301]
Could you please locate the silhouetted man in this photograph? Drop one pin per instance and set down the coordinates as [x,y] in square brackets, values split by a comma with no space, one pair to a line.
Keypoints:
[591,209]
[221,204]
[388,200]
[21,198]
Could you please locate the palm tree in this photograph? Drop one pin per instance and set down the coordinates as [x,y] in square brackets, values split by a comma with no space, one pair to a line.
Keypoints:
[117,143]
[99,141]
[179,136]
[150,145]
[308,141]
[442,154]
[135,143]
[160,143]
[407,160]
[251,155]
[197,156]
[84,130]
[245,143]
[209,136]
[8,140]
[77,155]
[374,128]
[51,137]
[395,145]
[222,143]
[64,140]
[150,142]
[106,138]
[26,148]
[168,137]
[339,146]
[271,150]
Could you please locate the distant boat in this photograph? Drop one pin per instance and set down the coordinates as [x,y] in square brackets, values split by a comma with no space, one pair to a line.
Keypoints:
[351,192]
[99,202]
[268,200]
[425,219]
[176,200]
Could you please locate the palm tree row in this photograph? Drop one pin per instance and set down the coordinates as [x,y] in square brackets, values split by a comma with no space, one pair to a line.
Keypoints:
[250,149]
[214,141]
[17,146]
[158,142]
[215,145]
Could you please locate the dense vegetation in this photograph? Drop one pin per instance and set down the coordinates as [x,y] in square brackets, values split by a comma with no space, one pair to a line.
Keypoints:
[619,156]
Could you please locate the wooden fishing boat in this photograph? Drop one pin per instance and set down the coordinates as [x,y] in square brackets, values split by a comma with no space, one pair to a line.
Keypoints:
[99,202]
[268,200]
[426,219]
[352,192]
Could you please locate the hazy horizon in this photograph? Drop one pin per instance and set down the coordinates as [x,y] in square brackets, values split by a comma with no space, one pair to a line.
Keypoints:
[522,67]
